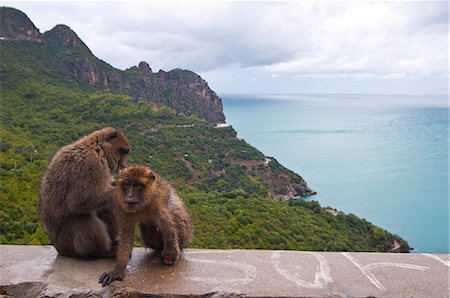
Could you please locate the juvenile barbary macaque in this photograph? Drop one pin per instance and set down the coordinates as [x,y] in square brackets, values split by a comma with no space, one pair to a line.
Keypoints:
[144,197]
[77,195]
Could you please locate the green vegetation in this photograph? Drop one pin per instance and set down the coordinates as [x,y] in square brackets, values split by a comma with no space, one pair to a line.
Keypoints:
[42,111]
[253,222]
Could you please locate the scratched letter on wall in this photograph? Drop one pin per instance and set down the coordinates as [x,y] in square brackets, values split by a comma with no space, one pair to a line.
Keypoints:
[292,271]
[219,270]
[366,269]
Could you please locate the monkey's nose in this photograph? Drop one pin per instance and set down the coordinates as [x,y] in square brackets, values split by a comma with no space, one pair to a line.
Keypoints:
[130,200]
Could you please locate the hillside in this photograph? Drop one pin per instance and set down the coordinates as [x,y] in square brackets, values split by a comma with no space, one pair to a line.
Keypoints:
[224,181]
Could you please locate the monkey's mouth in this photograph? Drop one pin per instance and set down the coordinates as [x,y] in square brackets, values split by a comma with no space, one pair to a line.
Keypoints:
[121,166]
[131,206]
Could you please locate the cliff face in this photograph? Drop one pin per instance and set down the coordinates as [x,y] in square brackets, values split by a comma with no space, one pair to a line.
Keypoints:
[182,90]
[198,97]
[63,37]
[15,25]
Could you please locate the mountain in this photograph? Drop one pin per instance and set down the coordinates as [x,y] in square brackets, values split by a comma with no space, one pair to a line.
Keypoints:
[71,60]
[53,90]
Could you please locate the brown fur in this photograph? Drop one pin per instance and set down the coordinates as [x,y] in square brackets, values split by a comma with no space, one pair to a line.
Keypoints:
[76,202]
[164,223]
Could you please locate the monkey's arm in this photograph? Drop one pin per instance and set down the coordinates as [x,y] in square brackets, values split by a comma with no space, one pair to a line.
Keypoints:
[88,187]
[96,201]
[125,247]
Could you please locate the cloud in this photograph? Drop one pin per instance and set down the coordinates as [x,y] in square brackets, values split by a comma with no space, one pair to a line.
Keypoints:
[374,37]
[355,40]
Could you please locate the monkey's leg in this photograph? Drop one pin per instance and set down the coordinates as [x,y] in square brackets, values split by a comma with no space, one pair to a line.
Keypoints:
[185,229]
[151,237]
[171,248]
[107,216]
[84,236]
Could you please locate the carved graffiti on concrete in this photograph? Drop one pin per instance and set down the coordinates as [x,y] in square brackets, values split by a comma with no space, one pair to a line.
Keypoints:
[321,278]
[366,269]
[446,263]
[240,273]
[308,270]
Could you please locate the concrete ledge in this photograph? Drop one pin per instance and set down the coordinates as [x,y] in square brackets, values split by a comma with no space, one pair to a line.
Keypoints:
[38,271]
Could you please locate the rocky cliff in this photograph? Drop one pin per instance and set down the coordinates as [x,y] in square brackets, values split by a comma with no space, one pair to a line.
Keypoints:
[14,24]
[182,90]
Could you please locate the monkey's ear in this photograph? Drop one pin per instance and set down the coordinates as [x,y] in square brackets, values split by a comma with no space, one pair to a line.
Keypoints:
[151,176]
[111,136]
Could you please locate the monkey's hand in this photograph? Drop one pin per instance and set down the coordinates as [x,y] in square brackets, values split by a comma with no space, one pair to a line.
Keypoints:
[107,278]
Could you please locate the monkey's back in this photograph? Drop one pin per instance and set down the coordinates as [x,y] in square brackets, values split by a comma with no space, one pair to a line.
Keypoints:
[179,213]
[73,172]
[167,198]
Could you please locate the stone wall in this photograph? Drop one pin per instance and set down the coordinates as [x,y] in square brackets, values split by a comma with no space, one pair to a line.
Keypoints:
[38,271]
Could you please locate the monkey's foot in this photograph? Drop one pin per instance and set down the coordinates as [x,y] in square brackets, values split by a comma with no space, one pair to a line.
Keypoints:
[170,255]
[168,260]
[107,278]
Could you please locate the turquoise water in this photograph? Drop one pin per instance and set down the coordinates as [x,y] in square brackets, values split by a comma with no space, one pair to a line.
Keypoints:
[381,157]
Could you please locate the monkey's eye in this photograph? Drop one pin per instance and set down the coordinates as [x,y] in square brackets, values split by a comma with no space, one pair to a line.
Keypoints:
[124,151]
[139,186]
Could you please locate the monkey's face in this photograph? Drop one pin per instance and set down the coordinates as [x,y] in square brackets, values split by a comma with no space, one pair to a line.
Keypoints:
[120,148]
[132,195]
[134,183]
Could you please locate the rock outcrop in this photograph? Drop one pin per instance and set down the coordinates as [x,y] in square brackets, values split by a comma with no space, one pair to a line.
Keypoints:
[62,36]
[182,90]
[15,25]
[282,183]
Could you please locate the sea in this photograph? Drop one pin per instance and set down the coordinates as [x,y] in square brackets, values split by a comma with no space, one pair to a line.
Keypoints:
[381,157]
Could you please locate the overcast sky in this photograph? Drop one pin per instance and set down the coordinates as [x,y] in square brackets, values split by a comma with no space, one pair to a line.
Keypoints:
[269,47]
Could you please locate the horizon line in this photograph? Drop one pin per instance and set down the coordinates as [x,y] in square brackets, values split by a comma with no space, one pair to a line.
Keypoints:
[331,93]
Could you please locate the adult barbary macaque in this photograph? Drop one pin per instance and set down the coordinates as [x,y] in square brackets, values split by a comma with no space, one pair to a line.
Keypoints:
[77,195]
[144,197]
